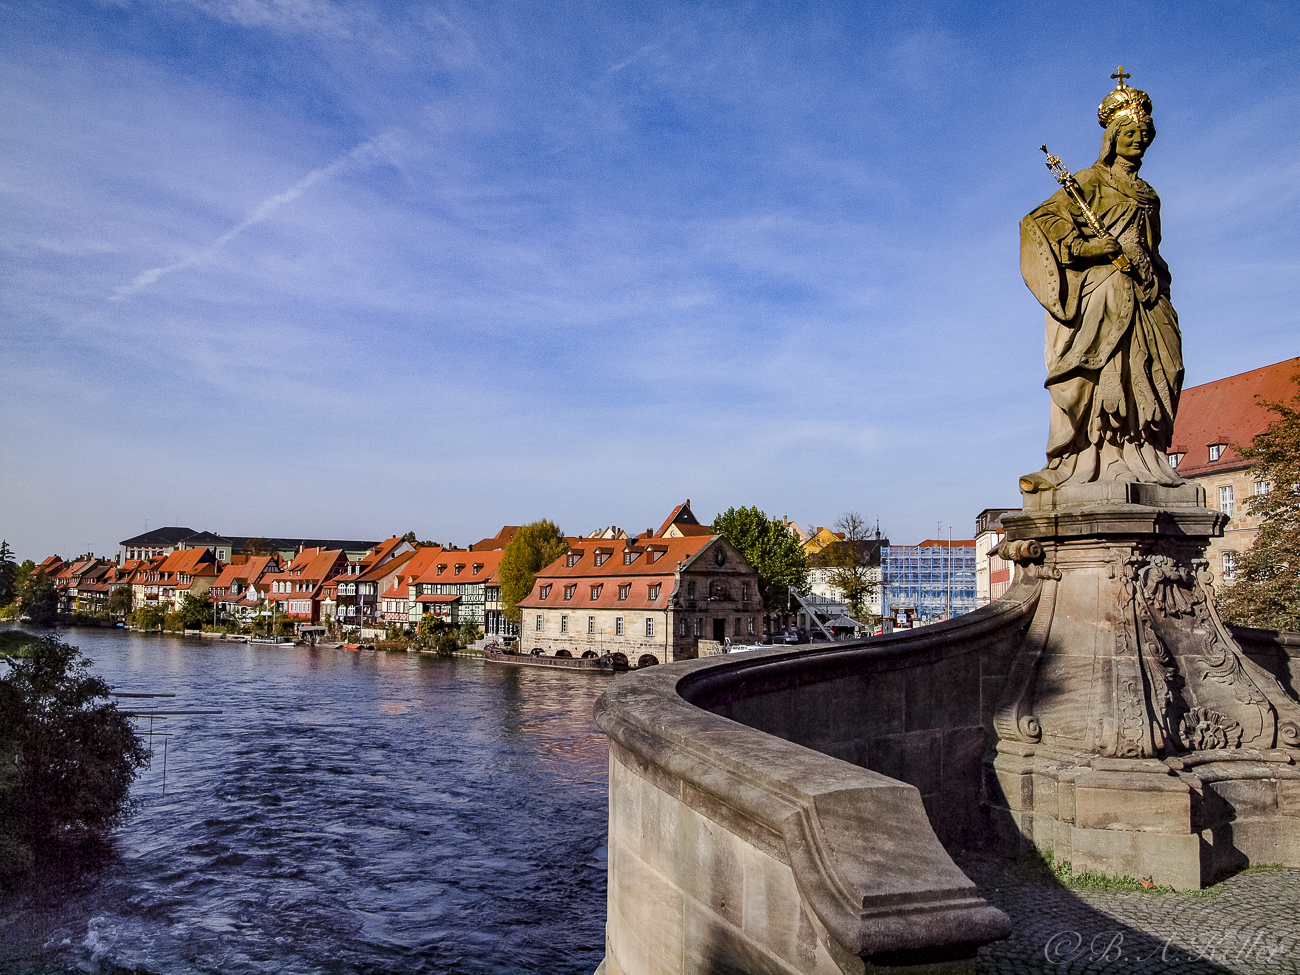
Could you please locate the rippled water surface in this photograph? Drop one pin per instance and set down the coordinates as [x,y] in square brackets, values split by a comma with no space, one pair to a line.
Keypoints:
[346,813]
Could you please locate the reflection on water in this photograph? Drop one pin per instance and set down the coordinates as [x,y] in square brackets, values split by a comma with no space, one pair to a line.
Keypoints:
[347,812]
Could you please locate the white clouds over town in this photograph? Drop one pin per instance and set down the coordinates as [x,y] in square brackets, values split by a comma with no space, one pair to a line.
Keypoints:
[441,267]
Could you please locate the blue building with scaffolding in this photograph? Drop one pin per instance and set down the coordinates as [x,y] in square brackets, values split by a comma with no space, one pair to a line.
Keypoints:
[931,581]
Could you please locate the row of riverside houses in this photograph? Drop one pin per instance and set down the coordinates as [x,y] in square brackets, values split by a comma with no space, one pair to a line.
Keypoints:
[661,593]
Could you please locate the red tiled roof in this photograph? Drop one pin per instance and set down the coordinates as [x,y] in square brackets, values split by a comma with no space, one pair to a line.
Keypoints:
[377,572]
[1228,411]
[486,564]
[614,573]
[680,516]
[190,561]
[498,541]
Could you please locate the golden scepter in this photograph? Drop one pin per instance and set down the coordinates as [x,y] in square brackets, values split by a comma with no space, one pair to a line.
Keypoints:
[1071,186]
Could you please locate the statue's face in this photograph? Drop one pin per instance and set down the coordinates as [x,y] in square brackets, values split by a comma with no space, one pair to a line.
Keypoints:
[1132,139]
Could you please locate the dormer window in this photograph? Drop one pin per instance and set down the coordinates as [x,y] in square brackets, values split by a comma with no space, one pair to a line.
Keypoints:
[544,592]
[595,591]
[568,591]
[1176,459]
[1216,451]
[654,591]
[628,557]
[458,568]
[440,568]
[478,567]
[572,560]
[652,555]
[623,590]
[600,558]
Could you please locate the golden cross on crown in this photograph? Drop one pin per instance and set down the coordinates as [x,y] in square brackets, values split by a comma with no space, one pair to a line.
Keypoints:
[1120,76]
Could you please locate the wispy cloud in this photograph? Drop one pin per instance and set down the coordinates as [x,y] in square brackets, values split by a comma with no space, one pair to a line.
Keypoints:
[307,16]
[362,155]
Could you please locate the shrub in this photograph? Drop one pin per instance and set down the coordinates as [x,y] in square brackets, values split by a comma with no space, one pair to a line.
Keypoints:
[67,755]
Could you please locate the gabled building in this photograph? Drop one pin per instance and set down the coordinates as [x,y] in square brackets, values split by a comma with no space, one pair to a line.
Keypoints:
[353,598]
[682,523]
[454,586]
[235,590]
[298,588]
[396,603]
[497,542]
[187,572]
[651,599]
[1213,420]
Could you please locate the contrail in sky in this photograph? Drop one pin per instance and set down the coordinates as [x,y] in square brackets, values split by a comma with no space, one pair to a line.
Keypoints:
[362,153]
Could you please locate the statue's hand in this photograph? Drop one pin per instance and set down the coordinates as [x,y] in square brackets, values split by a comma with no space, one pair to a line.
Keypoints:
[1107,247]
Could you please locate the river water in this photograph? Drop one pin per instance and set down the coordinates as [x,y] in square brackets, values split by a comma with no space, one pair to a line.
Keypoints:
[347,812]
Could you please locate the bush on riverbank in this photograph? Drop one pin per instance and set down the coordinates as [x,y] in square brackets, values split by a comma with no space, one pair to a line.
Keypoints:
[67,755]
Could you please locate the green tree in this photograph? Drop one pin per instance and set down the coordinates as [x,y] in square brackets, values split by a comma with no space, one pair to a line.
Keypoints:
[258,546]
[119,601]
[8,574]
[194,611]
[22,574]
[851,565]
[1266,592]
[40,599]
[148,617]
[770,548]
[534,547]
[67,755]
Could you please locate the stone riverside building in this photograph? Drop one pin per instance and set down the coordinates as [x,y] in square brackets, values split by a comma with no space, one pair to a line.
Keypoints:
[642,597]
[1213,420]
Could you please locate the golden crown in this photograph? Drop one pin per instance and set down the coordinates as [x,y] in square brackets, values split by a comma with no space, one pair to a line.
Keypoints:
[1134,103]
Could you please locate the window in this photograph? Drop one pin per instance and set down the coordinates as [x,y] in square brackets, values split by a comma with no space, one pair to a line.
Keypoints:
[690,590]
[478,567]
[458,568]
[628,556]
[569,590]
[624,590]
[600,558]
[699,627]
[1175,460]
[649,626]
[618,626]
[654,591]
[744,592]
[440,568]
[539,623]
[572,560]
[751,626]
[545,591]
[1216,451]
[736,629]
[653,555]
[681,627]
[1262,488]
[591,624]
[1225,499]
[1229,566]
[564,624]
[595,591]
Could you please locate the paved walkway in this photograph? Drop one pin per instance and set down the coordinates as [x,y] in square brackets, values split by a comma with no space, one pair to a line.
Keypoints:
[1248,924]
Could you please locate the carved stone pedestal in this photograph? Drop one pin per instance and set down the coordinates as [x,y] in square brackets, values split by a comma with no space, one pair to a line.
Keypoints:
[1135,737]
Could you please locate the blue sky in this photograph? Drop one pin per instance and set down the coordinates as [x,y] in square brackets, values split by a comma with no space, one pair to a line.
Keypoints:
[348,269]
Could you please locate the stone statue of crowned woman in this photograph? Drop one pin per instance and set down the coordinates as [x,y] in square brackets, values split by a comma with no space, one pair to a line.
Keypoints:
[1114,350]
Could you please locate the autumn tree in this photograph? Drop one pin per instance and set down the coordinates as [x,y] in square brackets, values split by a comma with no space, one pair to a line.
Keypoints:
[1266,592]
[851,562]
[534,547]
[771,548]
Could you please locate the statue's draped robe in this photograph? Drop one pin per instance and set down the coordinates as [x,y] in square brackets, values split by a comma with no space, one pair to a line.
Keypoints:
[1114,351]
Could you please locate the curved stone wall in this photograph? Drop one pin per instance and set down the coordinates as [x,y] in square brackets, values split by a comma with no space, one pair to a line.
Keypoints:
[782,811]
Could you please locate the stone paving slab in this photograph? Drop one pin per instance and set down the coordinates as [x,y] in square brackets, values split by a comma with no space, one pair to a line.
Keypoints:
[1248,924]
